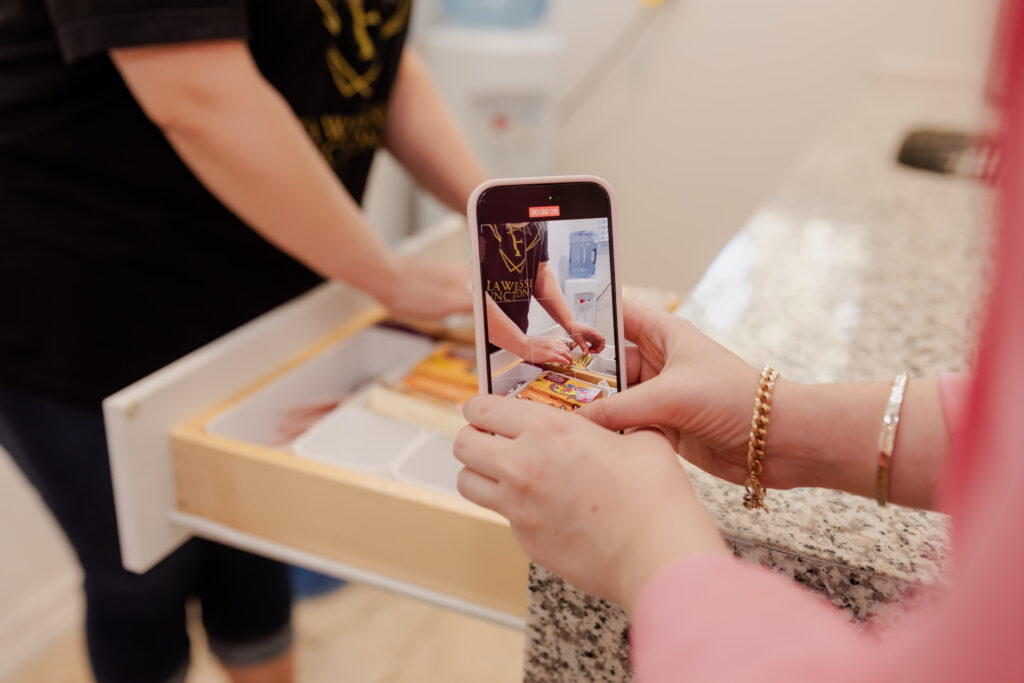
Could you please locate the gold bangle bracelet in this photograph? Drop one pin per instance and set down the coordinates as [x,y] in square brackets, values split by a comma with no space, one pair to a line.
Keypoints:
[887,438]
[754,496]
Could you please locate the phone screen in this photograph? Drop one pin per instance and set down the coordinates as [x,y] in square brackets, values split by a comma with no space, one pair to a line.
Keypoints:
[549,292]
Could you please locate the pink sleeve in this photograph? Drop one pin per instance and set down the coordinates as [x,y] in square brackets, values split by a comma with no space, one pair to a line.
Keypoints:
[708,618]
[953,393]
[717,618]
[679,623]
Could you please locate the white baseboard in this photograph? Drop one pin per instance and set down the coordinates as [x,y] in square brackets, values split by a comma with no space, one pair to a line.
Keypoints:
[38,621]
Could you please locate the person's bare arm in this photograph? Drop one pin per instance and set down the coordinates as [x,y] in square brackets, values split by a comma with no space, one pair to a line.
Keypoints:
[827,435]
[552,299]
[502,332]
[423,137]
[505,334]
[549,295]
[820,434]
[240,138]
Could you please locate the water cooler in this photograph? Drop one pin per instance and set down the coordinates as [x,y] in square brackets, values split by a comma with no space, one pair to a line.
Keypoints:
[580,287]
[581,295]
[500,84]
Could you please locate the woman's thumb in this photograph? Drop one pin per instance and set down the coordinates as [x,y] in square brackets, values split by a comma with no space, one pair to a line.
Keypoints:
[635,407]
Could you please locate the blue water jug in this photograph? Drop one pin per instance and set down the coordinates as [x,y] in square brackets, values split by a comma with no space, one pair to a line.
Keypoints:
[582,253]
[495,13]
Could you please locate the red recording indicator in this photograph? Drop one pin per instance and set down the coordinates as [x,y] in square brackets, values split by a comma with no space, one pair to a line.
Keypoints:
[543,211]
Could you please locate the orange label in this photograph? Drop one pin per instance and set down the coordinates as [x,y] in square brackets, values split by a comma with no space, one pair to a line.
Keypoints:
[544,211]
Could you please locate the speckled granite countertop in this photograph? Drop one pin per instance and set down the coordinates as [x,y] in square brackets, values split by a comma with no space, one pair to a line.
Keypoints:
[855,269]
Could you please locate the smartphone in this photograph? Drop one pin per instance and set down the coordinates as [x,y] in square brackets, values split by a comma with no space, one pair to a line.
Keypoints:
[547,301]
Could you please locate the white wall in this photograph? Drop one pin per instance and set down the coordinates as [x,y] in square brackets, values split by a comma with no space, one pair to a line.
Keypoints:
[694,126]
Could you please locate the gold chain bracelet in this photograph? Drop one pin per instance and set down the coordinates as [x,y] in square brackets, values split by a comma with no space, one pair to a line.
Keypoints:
[754,497]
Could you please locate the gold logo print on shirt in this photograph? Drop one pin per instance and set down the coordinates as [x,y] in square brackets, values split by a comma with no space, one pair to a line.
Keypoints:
[352,80]
[517,239]
[339,135]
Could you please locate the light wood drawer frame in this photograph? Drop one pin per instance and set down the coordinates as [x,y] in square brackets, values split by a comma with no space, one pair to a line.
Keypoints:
[172,480]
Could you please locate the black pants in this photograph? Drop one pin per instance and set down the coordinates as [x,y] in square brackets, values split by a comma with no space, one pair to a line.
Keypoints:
[135,623]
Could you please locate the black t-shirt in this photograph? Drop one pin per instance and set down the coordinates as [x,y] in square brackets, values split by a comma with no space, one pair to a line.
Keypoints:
[510,254]
[114,259]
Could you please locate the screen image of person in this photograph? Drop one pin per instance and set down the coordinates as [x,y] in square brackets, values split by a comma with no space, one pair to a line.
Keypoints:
[514,258]
[540,310]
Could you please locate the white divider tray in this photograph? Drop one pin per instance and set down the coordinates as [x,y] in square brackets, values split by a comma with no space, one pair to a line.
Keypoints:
[519,374]
[350,436]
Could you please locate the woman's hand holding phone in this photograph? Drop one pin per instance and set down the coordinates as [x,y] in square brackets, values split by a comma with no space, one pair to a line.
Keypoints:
[700,395]
[698,392]
[602,509]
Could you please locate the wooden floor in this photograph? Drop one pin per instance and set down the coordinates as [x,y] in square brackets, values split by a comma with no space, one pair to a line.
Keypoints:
[356,634]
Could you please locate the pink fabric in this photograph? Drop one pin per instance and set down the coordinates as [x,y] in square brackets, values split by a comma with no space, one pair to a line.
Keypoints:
[721,619]
[717,619]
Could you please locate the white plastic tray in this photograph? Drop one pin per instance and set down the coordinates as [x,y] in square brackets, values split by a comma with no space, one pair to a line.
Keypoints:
[339,371]
[355,437]
[352,435]
[430,463]
[506,381]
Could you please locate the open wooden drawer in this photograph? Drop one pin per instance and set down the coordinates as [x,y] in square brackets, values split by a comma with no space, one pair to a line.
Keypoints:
[176,476]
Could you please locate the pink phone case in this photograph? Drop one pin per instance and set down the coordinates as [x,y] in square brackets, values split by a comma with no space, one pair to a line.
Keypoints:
[478,302]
